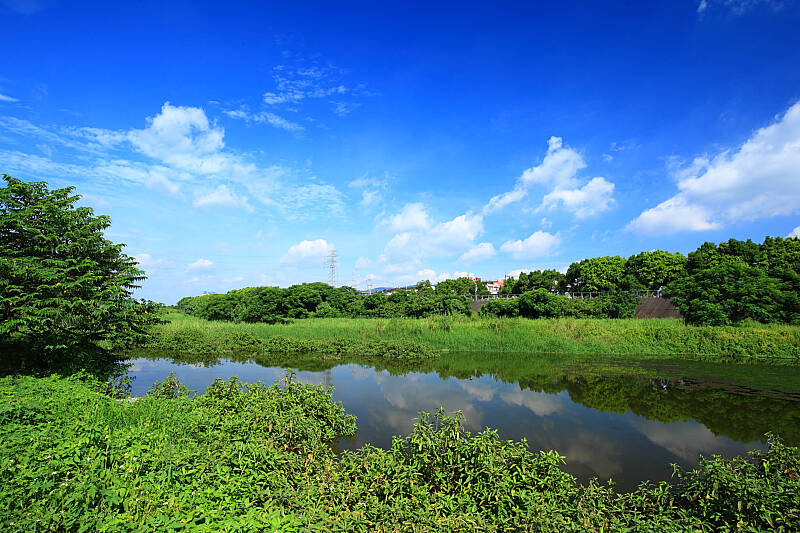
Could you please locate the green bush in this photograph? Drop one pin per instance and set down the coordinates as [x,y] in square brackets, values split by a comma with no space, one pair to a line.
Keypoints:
[251,457]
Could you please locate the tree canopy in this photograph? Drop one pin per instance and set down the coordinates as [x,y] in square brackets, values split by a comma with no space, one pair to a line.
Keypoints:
[63,285]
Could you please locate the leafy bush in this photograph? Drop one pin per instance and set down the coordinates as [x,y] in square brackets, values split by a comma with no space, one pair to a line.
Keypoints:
[500,308]
[64,287]
[247,457]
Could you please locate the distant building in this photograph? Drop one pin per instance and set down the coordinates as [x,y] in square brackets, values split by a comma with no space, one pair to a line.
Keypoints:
[494,286]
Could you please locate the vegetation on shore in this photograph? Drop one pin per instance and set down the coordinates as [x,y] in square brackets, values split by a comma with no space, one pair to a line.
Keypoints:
[245,457]
[715,285]
[779,344]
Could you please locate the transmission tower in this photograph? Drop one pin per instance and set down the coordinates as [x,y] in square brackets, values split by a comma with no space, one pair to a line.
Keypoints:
[354,282]
[332,267]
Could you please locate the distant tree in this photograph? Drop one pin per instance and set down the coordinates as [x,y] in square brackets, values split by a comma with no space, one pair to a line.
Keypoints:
[549,280]
[598,274]
[656,269]
[461,286]
[63,285]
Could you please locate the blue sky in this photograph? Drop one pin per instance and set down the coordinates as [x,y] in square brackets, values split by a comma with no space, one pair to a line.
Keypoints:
[235,145]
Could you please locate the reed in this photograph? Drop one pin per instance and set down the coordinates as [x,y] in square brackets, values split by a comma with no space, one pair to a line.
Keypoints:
[779,344]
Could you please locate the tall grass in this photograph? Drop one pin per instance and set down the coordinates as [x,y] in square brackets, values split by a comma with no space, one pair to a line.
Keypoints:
[641,337]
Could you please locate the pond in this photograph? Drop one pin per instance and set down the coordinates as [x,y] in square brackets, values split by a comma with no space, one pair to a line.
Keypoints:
[624,420]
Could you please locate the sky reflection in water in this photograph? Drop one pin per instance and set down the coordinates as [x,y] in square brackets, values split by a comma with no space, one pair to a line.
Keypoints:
[621,445]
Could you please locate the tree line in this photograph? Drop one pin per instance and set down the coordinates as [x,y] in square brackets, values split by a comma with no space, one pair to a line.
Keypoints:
[717,284]
[320,300]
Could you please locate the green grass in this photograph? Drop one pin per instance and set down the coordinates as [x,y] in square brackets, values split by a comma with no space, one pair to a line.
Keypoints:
[244,457]
[778,344]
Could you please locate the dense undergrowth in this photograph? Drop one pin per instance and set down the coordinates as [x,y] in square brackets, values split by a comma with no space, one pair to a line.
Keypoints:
[420,338]
[250,457]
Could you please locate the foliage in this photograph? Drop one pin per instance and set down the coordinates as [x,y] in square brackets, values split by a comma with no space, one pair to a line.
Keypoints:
[500,308]
[64,287]
[251,457]
[656,268]
[540,303]
[462,286]
[740,280]
[549,280]
[319,300]
[597,274]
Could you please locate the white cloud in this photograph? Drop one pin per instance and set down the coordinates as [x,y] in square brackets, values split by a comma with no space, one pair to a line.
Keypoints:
[344,108]
[184,138]
[539,244]
[756,180]
[307,250]
[426,273]
[147,262]
[279,122]
[558,172]
[482,251]
[369,198]
[265,118]
[201,263]
[738,7]
[795,233]
[594,197]
[370,189]
[6,98]
[427,239]
[222,196]
[412,217]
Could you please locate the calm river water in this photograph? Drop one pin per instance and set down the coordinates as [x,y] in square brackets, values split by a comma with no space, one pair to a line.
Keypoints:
[609,421]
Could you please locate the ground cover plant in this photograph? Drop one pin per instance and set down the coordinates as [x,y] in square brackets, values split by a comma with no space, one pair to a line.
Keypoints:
[419,338]
[244,457]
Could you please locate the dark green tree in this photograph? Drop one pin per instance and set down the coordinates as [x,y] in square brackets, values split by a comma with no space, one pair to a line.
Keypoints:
[461,287]
[64,287]
[656,268]
[598,274]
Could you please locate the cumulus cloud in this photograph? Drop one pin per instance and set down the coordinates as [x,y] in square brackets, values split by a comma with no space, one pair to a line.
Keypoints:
[757,180]
[594,197]
[412,217]
[201,263]
[558,173]
[482,251]
[539,244]
[307,250]
[795,233]
[432,239]
[182,137]
[222,196]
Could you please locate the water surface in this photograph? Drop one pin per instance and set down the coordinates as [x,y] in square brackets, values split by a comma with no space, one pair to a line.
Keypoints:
[625,420]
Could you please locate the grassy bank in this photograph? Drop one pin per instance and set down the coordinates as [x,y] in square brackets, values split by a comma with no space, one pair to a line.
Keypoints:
[246,458]
[417,337]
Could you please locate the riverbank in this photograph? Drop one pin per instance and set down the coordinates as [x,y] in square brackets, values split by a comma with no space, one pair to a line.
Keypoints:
[423,338]
[251,457]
